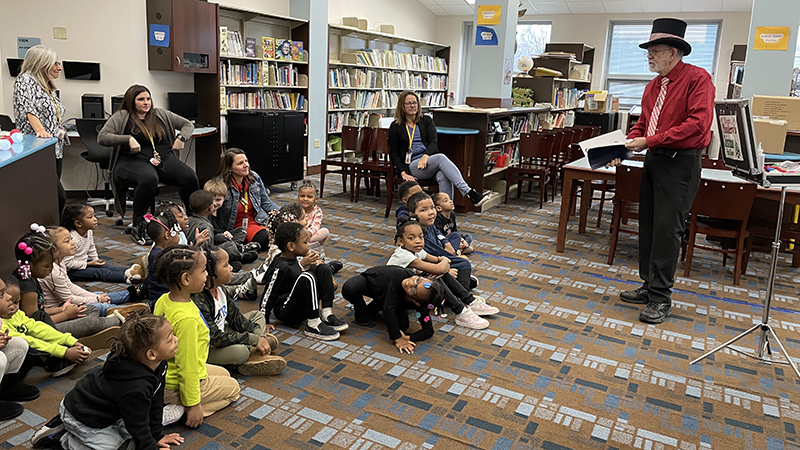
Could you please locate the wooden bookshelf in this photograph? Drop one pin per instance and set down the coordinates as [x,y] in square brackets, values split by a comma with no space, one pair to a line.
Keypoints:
[373,88]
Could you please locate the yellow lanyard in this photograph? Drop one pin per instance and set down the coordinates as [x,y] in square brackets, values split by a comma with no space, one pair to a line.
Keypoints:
[411,134]
[244,199]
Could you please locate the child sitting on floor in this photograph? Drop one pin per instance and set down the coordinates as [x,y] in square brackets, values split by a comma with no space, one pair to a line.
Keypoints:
[407,189]
[123,403]
[202,204]
[202,388]
[445,223]
[84,265]
[13,351]
[297,295]
[58,352]
[219,190]
[163,230]
[199,237]
[35,254]
[239,340]
[421,205]
[411,253]
[58,289]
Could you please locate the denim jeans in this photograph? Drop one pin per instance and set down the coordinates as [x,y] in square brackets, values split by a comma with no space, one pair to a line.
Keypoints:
[117,298]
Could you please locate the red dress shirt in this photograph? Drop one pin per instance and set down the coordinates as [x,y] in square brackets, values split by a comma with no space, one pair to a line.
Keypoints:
[685,121]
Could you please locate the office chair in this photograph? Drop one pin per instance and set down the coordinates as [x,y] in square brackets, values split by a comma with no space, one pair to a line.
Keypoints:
[96,153]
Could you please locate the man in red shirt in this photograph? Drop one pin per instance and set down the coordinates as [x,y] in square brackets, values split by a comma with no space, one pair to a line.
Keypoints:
[675,126]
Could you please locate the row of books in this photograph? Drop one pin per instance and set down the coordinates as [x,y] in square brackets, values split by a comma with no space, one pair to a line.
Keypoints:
[257,73]
[562,119]
[370,79]
[565,98]
[336,120]
[392,59]
[231,44]
[264,99]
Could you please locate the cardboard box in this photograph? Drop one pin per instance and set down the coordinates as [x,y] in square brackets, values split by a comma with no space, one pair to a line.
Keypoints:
[362,24]
[350,22]
[598,102]
[388,29]
[778,108]
[771,134]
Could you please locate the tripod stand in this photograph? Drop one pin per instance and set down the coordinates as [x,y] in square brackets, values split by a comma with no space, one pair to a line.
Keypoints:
[765,330]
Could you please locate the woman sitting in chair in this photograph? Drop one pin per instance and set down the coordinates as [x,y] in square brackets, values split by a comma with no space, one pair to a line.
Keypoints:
[415,153]
[144,138]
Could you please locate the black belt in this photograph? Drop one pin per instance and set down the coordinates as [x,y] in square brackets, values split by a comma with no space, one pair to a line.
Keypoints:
[672,152]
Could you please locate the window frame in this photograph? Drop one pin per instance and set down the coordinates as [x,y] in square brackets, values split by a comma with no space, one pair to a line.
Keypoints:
[514,69]
[608,78]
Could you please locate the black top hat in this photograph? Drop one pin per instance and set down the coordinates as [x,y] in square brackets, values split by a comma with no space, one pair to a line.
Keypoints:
[669,32]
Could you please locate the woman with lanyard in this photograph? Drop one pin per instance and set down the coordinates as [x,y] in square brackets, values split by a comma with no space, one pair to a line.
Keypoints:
[144,138]
[247,205]
[37,108]
[415,152]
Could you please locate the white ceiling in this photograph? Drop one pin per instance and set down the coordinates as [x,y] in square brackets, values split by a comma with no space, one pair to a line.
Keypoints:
[534,7]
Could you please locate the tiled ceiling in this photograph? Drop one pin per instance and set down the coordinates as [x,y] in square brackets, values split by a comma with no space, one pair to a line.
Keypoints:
[534,7]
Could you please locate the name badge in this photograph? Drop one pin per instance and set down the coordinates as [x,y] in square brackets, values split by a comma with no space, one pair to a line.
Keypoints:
[408,157]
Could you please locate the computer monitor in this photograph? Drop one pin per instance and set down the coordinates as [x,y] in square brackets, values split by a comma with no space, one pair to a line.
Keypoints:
[183,104]
[14,64]
[76,70]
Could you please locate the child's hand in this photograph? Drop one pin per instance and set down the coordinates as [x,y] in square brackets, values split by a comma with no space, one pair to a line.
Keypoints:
[4,338]
[200,238]
[443,265]
[104,298]
[463,244]
[170,439]
[194,416]
[77,355]
[263,346]
[454,273]
[96,263]
[309,259]
[405,346]
[228,235]
[73,311]
[270,327]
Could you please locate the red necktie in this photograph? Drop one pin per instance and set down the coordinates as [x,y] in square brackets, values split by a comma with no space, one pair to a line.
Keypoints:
[652,124]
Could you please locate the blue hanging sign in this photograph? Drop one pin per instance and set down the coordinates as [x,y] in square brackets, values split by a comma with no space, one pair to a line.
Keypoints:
[159,35]
[485,36]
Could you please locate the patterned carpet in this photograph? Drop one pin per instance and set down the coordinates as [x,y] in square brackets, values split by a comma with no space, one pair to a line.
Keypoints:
[565,365]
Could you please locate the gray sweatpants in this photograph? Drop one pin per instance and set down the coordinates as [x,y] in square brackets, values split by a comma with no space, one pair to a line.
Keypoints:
[445,172]
[88,325]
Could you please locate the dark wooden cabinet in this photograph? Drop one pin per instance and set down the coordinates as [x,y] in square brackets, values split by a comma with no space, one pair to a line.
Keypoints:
[182,36]
[273,141]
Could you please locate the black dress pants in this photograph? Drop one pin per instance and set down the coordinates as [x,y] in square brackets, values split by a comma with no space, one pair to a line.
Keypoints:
[669,183]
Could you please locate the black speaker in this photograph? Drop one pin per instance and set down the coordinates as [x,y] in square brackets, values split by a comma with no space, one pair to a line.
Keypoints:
[92,106]
[116,103]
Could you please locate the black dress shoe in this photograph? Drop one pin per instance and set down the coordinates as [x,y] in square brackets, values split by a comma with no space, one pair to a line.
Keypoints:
[10,410]
[655,312]
[638,296]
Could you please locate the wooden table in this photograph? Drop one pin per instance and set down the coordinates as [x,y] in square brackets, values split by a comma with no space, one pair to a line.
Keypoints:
[579,171]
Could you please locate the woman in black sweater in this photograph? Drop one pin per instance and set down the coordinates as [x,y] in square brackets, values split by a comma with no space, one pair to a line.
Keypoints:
[415,151]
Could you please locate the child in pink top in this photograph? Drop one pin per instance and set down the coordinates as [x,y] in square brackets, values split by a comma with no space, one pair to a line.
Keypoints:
[307,196]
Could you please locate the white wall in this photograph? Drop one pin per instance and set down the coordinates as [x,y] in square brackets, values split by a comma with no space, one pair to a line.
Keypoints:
[592,29]
[113,33]
[410,18]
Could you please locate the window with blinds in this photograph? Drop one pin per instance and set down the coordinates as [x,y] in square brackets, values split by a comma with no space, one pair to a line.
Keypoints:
[626,67]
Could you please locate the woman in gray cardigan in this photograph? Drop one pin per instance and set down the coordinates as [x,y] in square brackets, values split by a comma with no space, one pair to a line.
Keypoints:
[144,140]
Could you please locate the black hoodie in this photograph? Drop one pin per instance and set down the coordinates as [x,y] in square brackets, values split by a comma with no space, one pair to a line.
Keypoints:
[124,389]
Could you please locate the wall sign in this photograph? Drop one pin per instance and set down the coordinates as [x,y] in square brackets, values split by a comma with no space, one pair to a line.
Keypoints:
[159,35]
[485,36]
[489,14]
[24,43]
[771,38]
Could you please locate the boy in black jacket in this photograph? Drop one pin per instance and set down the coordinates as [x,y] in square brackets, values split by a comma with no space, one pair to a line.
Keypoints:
[296,295]
[123,402]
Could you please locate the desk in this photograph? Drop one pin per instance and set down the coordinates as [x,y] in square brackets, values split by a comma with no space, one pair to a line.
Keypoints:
[579,171]
[30,192]
[457,144]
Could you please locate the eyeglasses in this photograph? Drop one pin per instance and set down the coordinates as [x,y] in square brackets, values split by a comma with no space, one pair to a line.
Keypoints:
[414,287]
[650,53]
[58,63]
[410,103]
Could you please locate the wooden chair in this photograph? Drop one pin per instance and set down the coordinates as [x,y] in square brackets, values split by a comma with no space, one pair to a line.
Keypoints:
[720,210]
[377,166]
[626,203]
[353,140]
[535,151]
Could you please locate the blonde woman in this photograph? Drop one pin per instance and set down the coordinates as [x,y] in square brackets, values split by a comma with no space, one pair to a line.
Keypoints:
[37,108]
[415,152]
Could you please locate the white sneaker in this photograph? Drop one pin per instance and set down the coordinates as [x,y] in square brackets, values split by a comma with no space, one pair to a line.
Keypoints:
[479,307]
[172,414]
[469,319]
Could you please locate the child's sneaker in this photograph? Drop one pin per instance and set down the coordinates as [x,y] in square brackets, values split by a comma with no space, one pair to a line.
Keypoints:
[336,266]
[259,365]
[247,290]
[126,311]
[469,319]
[135,274]
[172,414]
[59,367]
[361,317]
[251,247]
[473,282]
[259,272]
[272,341]
[322,332]
[335,323]
[481,308]
[49,435]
